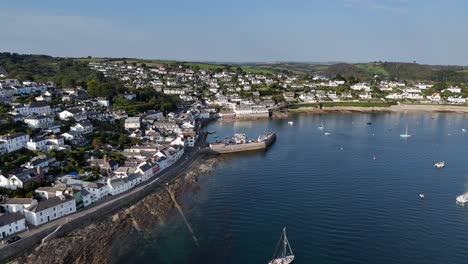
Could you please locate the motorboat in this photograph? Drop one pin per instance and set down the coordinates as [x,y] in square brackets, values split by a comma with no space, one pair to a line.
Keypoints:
[439,165]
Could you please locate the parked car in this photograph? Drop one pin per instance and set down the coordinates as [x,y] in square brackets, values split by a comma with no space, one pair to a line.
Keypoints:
[13,239]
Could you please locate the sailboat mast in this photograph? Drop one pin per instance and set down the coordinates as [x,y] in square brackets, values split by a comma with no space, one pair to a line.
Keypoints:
[285,241]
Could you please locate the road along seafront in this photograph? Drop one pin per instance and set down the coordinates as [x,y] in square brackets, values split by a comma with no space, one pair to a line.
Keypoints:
[105,207]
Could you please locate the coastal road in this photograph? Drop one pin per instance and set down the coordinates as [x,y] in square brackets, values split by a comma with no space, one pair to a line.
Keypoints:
[176,169]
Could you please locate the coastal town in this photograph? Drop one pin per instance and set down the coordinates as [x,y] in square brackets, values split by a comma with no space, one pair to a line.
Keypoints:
[63,149]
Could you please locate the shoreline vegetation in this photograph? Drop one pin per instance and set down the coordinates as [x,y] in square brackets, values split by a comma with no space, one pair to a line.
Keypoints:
[375,107]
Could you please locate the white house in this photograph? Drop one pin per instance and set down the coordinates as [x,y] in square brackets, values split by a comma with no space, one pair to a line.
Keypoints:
[103,101]
[365,96]
[361,87]
[161,159]
[117,186]
[39,121]
[133,123]
[97,190]
[49,210]
[456,99]
[77,114]
[82,127]
[39,108]
[18,177]
[46,143]
[14,142]
[11,224]
[394,96]
[15,205]
[147,170]
[454,89]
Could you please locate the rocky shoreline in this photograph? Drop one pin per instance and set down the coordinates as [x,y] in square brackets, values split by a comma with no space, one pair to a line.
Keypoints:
[93,243]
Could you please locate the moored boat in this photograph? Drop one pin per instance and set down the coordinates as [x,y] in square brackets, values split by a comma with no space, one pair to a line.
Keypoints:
[462,199]
[283,253]
[239,143]
[439,165]
[291,123]
[406,135]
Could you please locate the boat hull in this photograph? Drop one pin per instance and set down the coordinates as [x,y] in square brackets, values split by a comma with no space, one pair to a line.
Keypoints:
[252,146]
[285,260]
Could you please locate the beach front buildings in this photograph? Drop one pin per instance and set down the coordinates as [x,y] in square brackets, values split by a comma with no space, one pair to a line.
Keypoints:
[50,209]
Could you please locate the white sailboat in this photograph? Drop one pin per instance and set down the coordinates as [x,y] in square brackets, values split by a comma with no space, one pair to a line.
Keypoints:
[406,135]
[321,127]
[283,253]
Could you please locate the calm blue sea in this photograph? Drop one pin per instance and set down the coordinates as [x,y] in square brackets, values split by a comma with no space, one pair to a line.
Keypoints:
[349,197]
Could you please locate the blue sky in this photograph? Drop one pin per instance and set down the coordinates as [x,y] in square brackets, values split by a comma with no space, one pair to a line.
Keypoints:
[426,31]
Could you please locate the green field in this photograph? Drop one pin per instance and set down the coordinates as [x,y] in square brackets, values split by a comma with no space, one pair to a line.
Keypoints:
[373,69]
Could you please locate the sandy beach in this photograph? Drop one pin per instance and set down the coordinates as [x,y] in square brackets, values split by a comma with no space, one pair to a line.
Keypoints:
[393,108]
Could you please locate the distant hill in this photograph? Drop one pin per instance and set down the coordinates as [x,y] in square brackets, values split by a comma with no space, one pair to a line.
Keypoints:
[385,70]
[74,71]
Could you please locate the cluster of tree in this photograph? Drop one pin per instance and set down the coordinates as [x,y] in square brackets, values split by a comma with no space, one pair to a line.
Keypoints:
[64,72]
[99,86]
[147,99]
[26,192]
[14,159]
[71,160]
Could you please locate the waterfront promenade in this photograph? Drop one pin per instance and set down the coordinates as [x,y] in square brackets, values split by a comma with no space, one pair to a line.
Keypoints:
[104,207]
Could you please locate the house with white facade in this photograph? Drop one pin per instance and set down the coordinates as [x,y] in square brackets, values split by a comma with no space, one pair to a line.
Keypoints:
[365,96]
[147,170]
[361,87]
[75,113]
[82,127]
[117,186]
[52,142]
[49,210]
[132,123]
[39,121]
[97,190]
[18,177]
[17,205]
[456,99]
[11,224]
[102,101]
[455,89]
[13,142]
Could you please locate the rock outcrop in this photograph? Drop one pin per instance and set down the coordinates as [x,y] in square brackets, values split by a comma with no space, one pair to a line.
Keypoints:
[93,244]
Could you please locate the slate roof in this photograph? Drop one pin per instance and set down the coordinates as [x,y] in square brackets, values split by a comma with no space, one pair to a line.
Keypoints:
[10,218]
